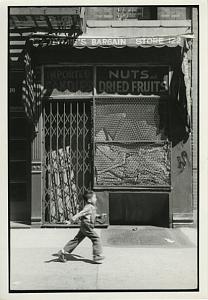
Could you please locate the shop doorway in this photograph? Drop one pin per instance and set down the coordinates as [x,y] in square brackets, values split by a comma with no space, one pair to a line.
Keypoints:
[67,156]
[19,168]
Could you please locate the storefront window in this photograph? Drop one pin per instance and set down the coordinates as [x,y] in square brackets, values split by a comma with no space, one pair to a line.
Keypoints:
[121,13]
[131,108]
[130,148]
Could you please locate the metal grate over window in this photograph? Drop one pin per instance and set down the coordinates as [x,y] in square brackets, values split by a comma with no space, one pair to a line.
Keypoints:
[67,157]
[130,147]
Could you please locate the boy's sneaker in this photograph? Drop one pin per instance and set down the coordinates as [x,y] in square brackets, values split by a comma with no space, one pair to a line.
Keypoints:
[98,259]
[62,257]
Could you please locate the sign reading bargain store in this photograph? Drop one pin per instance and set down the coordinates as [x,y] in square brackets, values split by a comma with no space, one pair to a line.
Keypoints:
[141,80]
[55,39]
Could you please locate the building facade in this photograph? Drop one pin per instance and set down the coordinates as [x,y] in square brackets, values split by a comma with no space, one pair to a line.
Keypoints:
[103,98]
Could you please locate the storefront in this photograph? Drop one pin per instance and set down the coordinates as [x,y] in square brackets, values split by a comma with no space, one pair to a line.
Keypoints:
[110,114]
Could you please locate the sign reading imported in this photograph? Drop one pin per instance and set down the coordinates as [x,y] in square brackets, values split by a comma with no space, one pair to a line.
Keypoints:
[68,80]
[144,80]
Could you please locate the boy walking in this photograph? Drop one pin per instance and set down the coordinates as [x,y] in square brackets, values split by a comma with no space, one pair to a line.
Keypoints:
[88,217]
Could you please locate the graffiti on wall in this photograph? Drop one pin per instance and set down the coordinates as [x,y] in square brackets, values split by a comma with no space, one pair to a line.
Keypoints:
[183,160]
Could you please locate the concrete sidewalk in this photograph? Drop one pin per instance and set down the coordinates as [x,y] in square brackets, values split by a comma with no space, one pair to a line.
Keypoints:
[34,265]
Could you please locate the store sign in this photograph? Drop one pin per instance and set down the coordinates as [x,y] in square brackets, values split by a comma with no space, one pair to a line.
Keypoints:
[142,80]
[68,80]
[65,39]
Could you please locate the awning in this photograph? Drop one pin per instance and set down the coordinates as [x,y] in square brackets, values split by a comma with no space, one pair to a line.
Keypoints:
[42,40]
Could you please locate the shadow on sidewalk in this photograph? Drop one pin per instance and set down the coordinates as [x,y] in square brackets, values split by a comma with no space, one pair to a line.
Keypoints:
[70,257]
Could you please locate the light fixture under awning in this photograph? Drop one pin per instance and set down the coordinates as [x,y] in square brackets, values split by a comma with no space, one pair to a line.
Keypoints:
[42,40]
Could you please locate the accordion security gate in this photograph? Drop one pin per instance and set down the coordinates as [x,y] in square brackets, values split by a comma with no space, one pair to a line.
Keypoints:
[66,157]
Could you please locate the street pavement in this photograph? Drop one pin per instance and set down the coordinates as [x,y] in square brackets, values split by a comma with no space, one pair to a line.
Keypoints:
[169,265]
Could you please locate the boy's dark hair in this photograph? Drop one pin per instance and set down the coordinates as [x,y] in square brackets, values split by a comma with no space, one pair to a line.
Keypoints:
[88,194]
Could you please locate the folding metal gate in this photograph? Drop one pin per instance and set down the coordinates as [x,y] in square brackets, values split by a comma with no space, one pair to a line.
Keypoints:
[66,157]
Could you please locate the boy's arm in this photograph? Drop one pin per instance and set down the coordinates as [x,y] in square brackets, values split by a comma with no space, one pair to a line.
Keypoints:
[78,215]
[81,213]
[100,215]
[101,218]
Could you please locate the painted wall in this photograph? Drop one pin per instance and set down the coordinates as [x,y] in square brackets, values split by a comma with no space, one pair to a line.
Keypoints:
[181,193]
